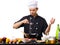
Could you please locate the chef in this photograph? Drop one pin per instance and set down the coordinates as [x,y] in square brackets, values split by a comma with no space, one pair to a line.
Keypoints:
[34,23]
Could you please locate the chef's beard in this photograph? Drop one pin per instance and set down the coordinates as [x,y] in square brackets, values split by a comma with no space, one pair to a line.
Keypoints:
[34,15]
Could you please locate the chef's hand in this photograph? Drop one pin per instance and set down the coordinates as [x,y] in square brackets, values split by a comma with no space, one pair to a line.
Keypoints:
[52,21]
[49,26]
[25,21]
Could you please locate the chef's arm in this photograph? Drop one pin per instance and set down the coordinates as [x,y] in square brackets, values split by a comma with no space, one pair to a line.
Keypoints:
[48,29]
[16,25]
[49,26]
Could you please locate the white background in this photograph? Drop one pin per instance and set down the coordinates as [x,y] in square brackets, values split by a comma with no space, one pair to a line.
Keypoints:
[13,10]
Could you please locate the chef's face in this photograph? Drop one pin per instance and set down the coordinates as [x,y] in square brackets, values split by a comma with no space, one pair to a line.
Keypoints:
[33,11]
